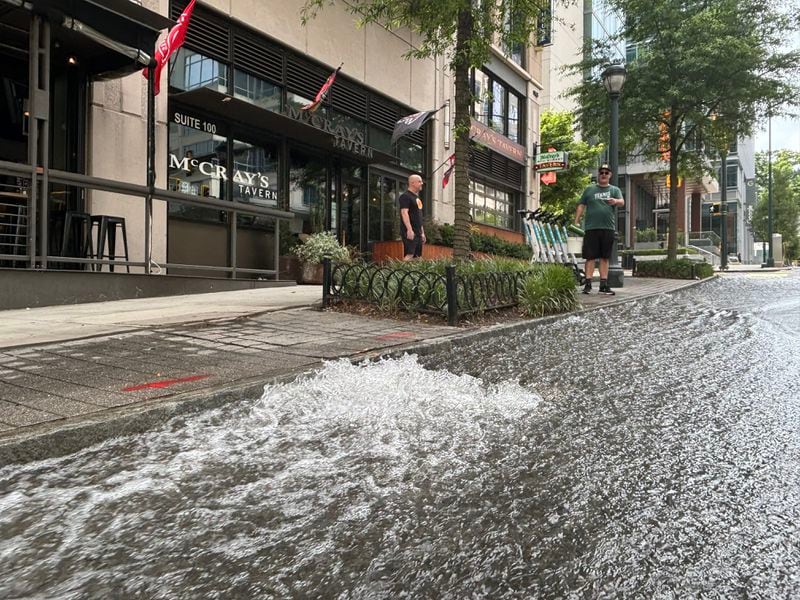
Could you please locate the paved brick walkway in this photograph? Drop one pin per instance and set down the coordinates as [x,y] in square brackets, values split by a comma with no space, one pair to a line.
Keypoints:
[76,383]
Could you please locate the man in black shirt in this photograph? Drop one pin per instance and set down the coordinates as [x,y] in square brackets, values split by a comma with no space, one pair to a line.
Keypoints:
[411,230]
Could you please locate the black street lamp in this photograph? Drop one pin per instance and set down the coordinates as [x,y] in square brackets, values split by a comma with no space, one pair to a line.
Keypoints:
[723,211]
[770,258]
[613,80]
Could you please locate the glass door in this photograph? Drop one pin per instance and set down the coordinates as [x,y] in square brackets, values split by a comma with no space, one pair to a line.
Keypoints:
[383,215]
[351,206]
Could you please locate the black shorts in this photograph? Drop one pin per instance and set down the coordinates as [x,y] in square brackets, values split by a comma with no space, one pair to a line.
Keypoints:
[598,243]
[412,247]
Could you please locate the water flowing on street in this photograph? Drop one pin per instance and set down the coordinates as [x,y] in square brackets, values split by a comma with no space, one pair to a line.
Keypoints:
[650,449]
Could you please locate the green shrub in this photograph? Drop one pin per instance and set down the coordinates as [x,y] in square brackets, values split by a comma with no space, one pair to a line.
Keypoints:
[550,289]
[320,245]
[674,269]
[646,235]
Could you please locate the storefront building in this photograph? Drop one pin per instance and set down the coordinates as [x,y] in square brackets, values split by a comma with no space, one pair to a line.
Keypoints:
[237,132]
[241,171]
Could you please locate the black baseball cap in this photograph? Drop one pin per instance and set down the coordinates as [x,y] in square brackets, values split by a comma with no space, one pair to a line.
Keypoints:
[604,167]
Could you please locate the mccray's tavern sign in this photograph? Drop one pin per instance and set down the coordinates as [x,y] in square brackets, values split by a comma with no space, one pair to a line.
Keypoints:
[344,138]
[255,185]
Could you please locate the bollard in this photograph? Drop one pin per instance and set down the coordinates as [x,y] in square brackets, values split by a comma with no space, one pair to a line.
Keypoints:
[452,297]
[326,282]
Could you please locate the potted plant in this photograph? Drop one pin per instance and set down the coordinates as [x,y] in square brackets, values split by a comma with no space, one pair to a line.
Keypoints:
[311,252]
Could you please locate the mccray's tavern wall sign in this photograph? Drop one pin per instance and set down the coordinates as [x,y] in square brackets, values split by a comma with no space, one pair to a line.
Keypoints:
[344,138]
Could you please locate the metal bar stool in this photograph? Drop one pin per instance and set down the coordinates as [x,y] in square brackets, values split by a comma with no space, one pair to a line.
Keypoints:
[107,233]
[77,238]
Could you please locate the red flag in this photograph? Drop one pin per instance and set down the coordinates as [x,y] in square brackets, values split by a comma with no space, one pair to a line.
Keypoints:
[449,170]
[323,91]
[170,44]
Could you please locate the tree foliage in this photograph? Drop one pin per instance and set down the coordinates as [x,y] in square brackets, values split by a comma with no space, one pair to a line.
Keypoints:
[462,31]
[557,130]
[785,199]
[703,72]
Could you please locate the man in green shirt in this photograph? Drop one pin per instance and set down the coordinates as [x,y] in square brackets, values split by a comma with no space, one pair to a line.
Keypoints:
[598,202]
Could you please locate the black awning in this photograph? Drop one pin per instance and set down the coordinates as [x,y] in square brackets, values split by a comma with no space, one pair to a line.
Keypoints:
[248,114]
[105,34]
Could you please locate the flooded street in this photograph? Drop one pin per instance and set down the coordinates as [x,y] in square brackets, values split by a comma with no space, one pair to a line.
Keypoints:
[647,450]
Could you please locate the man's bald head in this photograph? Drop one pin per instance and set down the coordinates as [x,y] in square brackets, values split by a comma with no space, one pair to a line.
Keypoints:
[414,183]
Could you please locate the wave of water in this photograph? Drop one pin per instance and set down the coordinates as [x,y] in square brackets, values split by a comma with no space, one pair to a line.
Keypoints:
[647,450]
[321,487]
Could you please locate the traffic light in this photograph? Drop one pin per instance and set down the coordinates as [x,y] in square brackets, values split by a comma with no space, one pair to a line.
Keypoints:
[715,208]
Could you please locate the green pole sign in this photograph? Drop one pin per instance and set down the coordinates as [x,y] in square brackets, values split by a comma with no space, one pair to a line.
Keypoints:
[551,161]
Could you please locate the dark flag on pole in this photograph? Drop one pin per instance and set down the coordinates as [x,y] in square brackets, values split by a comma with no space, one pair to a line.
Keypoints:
[323,91]
[449,170]
[411,123]
[169,45]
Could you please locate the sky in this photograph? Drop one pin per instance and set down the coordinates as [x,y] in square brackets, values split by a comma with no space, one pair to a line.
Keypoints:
[785,132]
[785,135]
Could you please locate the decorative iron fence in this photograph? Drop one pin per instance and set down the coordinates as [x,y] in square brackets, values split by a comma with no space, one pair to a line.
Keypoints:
[450,294]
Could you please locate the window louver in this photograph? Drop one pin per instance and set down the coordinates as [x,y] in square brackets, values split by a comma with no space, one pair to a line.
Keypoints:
[495,167]
[382,114]
[258,58]
[349,99]
[303,78]
[205,34]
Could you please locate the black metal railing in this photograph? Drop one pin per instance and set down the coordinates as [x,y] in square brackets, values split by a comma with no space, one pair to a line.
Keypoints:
[450,295]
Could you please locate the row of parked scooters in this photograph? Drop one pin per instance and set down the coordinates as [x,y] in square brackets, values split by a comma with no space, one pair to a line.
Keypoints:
[547,233]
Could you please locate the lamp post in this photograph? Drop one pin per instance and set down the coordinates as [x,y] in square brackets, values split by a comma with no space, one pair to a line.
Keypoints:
[770,262]
[613,80]
[723,211]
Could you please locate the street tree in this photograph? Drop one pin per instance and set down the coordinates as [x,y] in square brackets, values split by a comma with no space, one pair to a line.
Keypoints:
[557,130]
[701,71]
[463,32]
[785,199]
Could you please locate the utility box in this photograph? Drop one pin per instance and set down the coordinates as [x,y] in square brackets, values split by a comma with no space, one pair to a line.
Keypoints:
[777,249]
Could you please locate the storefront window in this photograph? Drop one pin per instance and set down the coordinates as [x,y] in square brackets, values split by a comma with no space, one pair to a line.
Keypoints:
[497,105]
[411,155]
[380,139]
[298,101]
[197,166]
[192,70]
[308,182]
[513,118]
[257,91]
[491,206]
[255,174]
[482,93]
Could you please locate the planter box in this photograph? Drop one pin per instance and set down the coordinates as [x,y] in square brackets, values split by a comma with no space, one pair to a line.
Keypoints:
[652,257]
[383,251]
[310,274]
[288,267]
[393,250]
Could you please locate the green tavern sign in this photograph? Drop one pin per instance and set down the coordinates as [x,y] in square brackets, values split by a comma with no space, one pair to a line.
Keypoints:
[551,161]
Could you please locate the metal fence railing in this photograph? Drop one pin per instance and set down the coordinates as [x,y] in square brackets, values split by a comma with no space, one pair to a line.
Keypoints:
[450,295]
[32,245]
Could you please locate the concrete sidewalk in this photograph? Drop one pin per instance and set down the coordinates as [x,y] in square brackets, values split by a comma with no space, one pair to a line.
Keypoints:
[72,375]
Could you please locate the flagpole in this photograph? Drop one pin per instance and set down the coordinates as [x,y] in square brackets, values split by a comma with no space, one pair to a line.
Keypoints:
[446,160]
[151,167]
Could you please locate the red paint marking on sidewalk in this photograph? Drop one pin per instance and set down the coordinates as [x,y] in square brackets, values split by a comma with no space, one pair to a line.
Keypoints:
[164,383]
[397,335]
